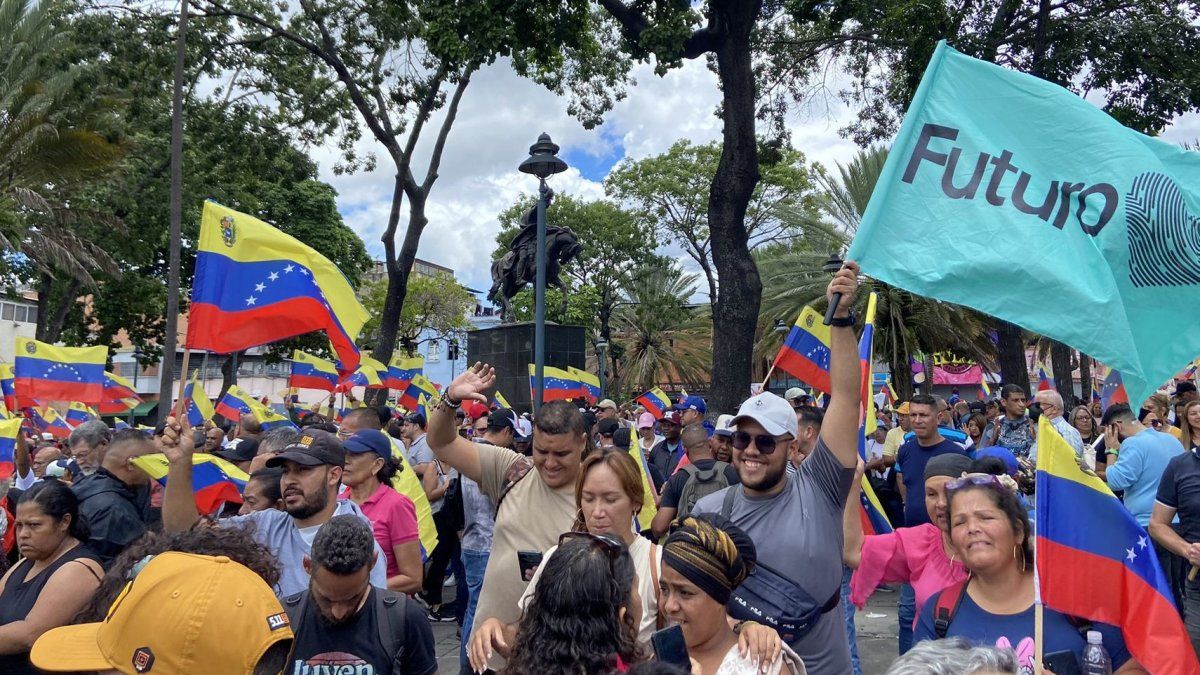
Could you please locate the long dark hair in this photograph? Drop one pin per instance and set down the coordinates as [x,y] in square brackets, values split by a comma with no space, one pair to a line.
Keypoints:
[1005,500]
[573,623]
[58,501]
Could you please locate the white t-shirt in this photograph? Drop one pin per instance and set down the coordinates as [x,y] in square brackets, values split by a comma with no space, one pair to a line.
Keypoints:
[25,482]
[640,551]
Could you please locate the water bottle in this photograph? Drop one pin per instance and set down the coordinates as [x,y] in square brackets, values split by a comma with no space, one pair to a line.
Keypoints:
[1095,657]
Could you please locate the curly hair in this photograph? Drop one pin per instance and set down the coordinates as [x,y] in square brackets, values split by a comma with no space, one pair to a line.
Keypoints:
[235,543]
[344,545]
[573,623]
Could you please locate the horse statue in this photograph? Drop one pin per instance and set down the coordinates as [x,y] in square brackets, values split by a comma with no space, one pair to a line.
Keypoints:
[518,267]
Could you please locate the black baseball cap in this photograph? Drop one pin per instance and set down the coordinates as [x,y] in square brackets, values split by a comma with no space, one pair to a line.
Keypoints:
[241,451]
[313,449]
[607,426]
[501,419]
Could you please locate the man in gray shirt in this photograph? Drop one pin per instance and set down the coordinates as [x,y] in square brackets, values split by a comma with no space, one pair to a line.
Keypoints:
[796,521]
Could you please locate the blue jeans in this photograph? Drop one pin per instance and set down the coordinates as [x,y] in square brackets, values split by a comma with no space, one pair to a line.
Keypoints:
[475,563]
[848,608]
[907,612]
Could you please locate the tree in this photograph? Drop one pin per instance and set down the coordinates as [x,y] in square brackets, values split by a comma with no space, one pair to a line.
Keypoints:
[345,65]
[614,243]
[435,306]
[905,324]
[1142,57]
[670,193]
[749,46]
[663,338]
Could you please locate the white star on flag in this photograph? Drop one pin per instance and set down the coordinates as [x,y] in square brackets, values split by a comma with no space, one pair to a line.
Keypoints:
[1130,555]
[260,287]
[289,268]
[250,300]
[273,276]
[1142,542]
[304,271]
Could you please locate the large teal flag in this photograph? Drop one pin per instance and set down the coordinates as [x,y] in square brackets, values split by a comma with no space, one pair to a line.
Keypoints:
[1012,195]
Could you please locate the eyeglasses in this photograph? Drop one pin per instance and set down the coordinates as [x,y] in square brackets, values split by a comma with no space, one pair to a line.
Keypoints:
[765,443]
[981,479]
[607,543]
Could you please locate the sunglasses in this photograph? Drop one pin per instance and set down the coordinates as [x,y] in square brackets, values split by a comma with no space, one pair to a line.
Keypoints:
[1156,423]
[765,443]
[611,547]
[979,479]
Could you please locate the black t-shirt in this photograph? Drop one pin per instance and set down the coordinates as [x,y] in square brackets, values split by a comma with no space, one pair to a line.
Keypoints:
[674,489]
[1180,490]
[354,646]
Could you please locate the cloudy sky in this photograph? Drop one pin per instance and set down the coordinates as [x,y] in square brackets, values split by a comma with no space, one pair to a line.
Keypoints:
[502,114]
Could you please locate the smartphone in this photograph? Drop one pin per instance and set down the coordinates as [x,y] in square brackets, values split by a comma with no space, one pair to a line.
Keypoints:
[528,561]
[1062,663]
[669,647]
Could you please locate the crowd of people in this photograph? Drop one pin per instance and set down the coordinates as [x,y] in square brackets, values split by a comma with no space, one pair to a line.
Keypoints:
[754,562]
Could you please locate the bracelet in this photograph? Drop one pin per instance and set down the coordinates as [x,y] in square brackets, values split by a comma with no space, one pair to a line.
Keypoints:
[449,402]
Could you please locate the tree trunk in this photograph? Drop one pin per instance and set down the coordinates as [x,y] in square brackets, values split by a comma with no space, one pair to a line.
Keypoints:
[43,305]
[739,290]
[174,240]
[53,327]
[927,363]
[1010,352]
[398,268]
[1085,377]
[1060,363]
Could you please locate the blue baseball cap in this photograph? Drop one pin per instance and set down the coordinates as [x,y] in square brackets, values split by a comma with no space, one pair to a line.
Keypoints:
[693,403]
[368,440]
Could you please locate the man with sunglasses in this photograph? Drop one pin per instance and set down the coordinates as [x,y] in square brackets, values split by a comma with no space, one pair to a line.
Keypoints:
[1137,457]
[796,521]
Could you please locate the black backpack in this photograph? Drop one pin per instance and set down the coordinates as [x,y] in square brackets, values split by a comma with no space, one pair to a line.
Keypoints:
[700,483]
[390,608]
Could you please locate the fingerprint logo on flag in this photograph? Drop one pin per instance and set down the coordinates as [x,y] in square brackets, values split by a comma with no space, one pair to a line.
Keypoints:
[1164,237]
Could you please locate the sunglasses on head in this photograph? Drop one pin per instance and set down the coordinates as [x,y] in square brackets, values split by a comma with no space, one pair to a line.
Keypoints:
[765,443]
[611,547]
[981,479]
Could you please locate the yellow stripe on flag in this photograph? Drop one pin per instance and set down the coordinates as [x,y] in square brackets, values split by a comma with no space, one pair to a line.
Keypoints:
[406,483]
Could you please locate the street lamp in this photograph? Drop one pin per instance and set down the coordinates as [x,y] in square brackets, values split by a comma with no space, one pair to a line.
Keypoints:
[601,346]
[780,326]
[542,162]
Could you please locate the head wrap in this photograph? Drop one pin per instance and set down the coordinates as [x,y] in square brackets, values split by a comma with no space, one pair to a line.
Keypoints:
[711,552]
[952,465]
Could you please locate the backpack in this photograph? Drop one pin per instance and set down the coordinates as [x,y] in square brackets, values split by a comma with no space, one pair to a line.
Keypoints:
[700,482]
[390,608]
[516,471]
[452,513]
[950,599]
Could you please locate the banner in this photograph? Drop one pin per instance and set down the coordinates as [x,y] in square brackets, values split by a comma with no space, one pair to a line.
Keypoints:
[1014,196]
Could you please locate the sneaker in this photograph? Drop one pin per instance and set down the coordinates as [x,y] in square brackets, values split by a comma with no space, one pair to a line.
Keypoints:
[436,615]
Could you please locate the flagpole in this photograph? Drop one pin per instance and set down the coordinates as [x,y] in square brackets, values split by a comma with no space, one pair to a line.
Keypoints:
[1037,613]
[183,368]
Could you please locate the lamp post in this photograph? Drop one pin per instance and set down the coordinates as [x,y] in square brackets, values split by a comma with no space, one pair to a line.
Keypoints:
[601,347]
[542,162]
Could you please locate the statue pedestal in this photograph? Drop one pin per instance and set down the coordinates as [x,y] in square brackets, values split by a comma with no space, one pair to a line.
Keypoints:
[509,349]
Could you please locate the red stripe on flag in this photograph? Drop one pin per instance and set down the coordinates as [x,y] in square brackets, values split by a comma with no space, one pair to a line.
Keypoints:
[795,364]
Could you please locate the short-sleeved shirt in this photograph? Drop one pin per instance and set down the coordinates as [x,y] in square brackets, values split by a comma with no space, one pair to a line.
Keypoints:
[354,647]
[893,441]
[1180,490]
[393,521]
[277,531]
[798,533]
[530,518]
[1014,435]
[674,487]
[910,463]
[1015,631]
[420,452]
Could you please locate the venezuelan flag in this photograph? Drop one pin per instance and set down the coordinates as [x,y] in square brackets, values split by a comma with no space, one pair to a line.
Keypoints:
[646,515]
[235,403]
[214,480]
[1082,526]
[365,376]
[403,369]
[865,346]
[420,385]
[656,402]
[406,483]
[589,383]
[5,413]
[805,351]
[8,385]
[78,413]
[48,421]
[985,392]
[557,384]
[269,419]
[196,404]
[9,430]
[1112,390]
[48,373]
[255,285]
[119,395]
[1045,382]
[120,425]
[500,401]
[421,410]
[311,372]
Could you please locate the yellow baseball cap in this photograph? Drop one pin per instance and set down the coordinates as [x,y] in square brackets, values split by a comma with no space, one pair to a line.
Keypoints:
[182,613]
[902,409]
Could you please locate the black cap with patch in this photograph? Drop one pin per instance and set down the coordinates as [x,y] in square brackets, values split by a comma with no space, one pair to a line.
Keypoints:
[314,448]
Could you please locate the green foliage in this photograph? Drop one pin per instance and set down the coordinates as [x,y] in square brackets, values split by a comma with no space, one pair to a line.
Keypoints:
[438,305]
[1143,56]
[670,192]
[661,337]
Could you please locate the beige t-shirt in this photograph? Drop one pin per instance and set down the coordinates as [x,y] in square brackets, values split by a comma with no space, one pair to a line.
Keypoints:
[893,441]
[640,551]
[531,518]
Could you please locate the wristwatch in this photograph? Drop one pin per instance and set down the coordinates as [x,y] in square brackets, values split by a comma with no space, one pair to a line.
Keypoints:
[847,321]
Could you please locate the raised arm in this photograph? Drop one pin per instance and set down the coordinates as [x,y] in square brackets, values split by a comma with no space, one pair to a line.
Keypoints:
[840,429]
[21,457]
[852,530]
[442,434]
[179,505]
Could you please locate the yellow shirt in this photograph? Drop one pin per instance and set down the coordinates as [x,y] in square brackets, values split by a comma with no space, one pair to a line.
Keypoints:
[893,441]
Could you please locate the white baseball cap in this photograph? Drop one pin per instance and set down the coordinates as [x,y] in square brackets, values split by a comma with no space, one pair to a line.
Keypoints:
[794,392]
[724,425]
[772,412]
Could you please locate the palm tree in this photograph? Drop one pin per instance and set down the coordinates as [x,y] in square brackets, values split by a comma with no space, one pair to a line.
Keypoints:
[905,324]
[662,336]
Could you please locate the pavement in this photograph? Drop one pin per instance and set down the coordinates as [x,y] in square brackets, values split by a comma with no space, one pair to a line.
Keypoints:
[876,625]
